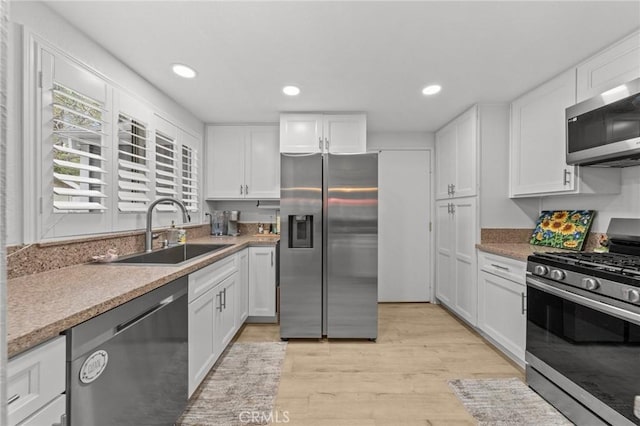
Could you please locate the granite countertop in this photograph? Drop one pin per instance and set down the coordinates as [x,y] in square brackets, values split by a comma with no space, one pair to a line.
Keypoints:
[41,306]
[518,251]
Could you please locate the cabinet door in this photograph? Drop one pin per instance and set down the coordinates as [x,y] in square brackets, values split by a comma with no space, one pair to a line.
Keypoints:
[445,284]
[464,265]
[466,158]
[242,311]
[301,133]
[262,163]
[345,133]
[52,414]
[445,161]
[225,321]
[202,342]
[613,66]
[538,163]
[262,282]
[225,162]
[501,312]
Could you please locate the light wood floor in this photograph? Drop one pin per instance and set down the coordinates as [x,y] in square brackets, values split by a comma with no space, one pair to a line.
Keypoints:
[399,380]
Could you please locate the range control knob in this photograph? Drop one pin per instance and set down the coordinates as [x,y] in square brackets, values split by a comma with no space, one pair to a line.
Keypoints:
[591,283]
[633,296]
[558,275]
[540,270]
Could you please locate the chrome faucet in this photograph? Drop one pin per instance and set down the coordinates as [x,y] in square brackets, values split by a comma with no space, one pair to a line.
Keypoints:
[148,236]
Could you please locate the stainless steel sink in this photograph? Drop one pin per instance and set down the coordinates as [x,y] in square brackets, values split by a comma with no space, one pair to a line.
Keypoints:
[173,255]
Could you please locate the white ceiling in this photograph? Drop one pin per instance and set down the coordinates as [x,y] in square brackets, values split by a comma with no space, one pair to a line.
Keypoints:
[350,56]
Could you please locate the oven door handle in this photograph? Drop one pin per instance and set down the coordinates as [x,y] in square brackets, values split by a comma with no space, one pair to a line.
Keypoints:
[585,301]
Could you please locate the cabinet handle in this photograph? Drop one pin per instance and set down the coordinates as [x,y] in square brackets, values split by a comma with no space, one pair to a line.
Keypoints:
[326,144]
[246,190]
[240,189]
[453,189]
[320,143]
[448,207]
[63,420]
[13,399]
[219,295]
[504,268]
[453,208]
[522,298]
[224,293]
[566,178]
[271,258]
[449,189]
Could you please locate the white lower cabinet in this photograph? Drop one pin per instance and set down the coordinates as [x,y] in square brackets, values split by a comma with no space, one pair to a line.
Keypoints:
[213,319]
[456,236]
[262,284]
[242,311]
[502,303]
[35,380]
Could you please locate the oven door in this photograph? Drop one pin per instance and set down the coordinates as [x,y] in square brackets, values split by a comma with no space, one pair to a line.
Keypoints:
[588,348]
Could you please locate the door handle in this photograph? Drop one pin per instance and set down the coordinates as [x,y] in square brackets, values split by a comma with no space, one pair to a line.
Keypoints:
[504,268]
[224,294]
[240,189]
[246,190]
[523,304]
[453,208]
[453,189]
[320,143]
[326,144]
[13,399]
[566,178]
[449,208]
[123,326]
[219,296]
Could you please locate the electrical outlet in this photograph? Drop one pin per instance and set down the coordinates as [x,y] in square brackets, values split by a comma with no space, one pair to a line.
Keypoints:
[636,406]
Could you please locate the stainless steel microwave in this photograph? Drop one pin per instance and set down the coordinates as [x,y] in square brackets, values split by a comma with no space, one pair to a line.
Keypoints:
[605,130]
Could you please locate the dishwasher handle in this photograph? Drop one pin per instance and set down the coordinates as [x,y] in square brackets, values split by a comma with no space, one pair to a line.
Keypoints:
[123,326]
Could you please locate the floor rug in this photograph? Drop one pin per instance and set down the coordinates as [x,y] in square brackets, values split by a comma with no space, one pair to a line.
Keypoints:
[505,402]
[241,388]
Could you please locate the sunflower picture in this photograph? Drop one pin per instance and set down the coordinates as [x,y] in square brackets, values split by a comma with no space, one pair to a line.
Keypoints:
[564,229]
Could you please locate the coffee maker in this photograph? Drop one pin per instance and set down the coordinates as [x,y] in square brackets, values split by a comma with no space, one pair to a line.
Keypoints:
[219,222]
[234,216]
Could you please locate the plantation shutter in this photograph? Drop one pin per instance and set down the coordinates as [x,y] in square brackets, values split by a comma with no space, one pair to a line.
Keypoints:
[133,165]
[190,178]
[166,170]
[78,151]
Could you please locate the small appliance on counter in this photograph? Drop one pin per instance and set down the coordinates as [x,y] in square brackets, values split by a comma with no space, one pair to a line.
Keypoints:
[234,216]
[219,222]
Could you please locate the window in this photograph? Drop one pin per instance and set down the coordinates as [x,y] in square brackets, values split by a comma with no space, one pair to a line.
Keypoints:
[190,178]
[166,170]
[133,165]
[78,161]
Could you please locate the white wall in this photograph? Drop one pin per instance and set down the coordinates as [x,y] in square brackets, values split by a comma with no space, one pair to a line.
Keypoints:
[400,140]
[40,20]
[497,210]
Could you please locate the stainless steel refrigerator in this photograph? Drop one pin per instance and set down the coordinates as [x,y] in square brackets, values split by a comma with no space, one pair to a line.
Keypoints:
[329,246]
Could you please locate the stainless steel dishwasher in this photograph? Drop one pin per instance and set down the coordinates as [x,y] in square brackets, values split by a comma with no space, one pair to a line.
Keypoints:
[128,366]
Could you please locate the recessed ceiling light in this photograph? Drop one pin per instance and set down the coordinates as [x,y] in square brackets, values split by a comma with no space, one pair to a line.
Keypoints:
[183,70]
[291,90]
[431,90]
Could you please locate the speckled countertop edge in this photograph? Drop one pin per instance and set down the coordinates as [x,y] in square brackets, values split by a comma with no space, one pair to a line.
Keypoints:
[41,306]
[518,251]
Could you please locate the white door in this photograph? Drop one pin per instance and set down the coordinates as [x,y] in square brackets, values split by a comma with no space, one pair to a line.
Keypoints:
[445,161]
[224,164]
[301,133]
[262,282]
[404,256]
[466,157]
[345,133]
[262,163]
[465,218]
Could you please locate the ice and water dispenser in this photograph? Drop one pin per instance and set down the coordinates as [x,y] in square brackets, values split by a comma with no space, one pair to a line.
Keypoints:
[301,231]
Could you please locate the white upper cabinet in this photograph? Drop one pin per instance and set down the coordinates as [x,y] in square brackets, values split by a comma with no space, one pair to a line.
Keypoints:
[456,157]
[537,163]
[611,67]
[313,133]
[242,162]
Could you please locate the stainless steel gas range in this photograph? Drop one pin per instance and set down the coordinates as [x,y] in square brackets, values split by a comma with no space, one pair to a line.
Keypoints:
[583,329]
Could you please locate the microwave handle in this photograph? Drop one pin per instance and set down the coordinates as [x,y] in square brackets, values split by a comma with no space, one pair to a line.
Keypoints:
[584,301]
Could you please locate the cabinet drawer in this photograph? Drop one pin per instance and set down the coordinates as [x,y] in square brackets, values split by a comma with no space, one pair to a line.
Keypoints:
[502,266]
[207,277]
[34,378]
[52,414]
